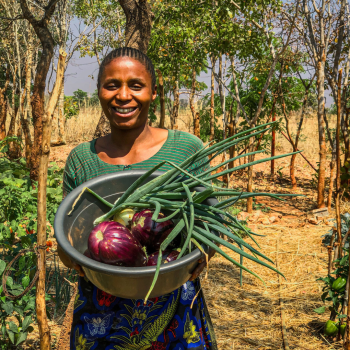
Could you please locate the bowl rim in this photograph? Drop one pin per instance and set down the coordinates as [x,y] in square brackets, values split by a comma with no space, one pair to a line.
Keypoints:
[85,262]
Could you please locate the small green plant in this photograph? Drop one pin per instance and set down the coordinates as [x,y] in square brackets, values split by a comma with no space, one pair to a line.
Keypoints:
[334,292]
[18,212]
[279,172]
[260,206]
[335,283]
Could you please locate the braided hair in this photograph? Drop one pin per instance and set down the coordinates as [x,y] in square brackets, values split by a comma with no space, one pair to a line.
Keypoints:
[127,52]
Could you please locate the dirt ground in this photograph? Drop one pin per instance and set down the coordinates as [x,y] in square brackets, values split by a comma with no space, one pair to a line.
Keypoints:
[249,316]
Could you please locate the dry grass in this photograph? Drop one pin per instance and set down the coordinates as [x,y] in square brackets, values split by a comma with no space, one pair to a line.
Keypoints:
[82,127]
[249,317]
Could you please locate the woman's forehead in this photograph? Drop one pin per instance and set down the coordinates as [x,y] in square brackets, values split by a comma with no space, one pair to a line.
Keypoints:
[125,66]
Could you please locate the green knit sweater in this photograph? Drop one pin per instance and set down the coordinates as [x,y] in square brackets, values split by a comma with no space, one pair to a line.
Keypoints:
[84,164]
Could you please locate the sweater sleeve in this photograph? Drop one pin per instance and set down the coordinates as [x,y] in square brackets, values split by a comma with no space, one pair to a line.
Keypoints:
[69,182]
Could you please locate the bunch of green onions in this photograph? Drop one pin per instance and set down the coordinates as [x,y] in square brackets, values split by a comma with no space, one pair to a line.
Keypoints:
[174,192]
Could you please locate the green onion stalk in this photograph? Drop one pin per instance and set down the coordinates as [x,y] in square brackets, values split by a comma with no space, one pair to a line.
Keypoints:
[174,192]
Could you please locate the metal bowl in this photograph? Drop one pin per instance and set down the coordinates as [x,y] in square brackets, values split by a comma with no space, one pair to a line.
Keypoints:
[72,234]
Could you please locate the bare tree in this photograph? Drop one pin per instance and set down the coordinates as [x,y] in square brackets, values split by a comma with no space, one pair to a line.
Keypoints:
[276,51]
[322,24]
[42,117]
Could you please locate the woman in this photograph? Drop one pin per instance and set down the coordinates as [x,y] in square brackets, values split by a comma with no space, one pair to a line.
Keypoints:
[126,88]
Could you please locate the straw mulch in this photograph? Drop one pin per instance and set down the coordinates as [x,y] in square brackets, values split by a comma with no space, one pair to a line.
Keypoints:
[249,317]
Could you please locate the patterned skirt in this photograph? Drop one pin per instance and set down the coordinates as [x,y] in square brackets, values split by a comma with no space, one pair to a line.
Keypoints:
[103,322]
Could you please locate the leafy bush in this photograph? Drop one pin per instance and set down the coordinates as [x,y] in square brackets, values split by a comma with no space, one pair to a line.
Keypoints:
[331,291]
[334,284]
[18,213]
[71,107]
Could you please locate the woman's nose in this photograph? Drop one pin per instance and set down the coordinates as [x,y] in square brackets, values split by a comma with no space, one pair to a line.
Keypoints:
[123,93]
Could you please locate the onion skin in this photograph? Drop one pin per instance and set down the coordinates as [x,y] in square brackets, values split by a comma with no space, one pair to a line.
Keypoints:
[150,233]
[167,256]
[112,243]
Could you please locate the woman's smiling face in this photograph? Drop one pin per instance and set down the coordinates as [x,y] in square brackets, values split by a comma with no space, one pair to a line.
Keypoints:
[126,93]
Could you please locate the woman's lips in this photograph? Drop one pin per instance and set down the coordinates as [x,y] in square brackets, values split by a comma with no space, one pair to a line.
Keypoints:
[124,112]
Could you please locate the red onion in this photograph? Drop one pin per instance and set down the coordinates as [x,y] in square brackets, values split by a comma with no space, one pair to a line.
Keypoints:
[112,243]
[167,256]
[150,233]
[87,254]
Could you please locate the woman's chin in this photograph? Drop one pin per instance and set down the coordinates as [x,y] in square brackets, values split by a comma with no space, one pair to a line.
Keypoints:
[126,124]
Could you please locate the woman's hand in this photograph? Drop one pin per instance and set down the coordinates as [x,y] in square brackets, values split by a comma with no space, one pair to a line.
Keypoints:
[202,264]
[69,263]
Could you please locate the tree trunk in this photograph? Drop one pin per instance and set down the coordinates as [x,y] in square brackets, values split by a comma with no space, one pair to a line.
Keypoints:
[321,136]
[40,151]
[12,132]
[3,115]
[175,111]
[321,131]
[250,178]
[103,127]
[337,194]
[212,100]
[331,177]
[59,122]
[14,109]
[24,116]
[161,98]
[273,145]
[3,105]
[38,96]
[138,25]
[231,131]
[191,100]
[197,131]
[222,99]
[42,184]
[17,150]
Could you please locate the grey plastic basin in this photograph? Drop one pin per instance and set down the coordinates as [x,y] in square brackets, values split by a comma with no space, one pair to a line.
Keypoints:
[127,282]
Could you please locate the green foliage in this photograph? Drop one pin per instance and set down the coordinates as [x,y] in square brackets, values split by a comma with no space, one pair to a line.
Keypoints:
[18,199]
[94,100]
[18,203]
[335,283]
[71,107]
[72,103]
[79,95]
[334,288]
[5,143]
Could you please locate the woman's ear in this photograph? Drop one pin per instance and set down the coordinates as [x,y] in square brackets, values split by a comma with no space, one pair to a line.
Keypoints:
[154,93]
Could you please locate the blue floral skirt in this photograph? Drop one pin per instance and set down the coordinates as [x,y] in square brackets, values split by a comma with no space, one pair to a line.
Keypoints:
[102,321]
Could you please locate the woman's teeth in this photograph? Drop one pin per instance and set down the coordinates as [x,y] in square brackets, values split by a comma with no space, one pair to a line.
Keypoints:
[124,110]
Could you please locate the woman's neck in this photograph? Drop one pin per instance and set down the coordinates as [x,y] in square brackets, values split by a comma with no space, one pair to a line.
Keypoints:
[124,140]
